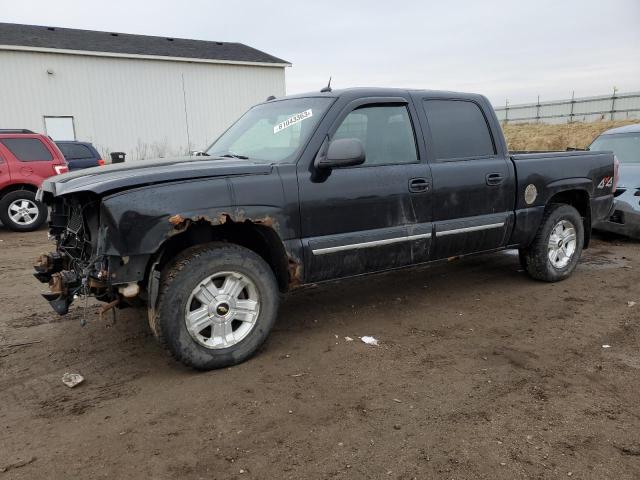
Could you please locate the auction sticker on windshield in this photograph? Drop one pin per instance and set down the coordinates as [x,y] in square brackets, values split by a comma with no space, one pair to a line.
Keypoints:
[292,120]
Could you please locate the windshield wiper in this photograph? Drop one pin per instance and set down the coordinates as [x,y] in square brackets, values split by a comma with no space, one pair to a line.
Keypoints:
[234,155]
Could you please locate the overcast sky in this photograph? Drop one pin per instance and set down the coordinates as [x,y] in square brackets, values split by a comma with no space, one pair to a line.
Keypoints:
[503,49]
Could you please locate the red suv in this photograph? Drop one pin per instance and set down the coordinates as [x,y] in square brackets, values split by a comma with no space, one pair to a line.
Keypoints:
[26,159]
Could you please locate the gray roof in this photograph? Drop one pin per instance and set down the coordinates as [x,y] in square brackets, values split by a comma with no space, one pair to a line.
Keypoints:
[635,128]
[127,44]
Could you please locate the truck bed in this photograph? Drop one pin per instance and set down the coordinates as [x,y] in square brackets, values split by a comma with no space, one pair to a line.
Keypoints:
[552,172]
[572,154]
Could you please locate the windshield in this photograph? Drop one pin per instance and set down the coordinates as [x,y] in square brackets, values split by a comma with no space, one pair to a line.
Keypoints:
[626,146]
[275,131]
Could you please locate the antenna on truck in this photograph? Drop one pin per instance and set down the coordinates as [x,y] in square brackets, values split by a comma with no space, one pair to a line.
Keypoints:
[327,88]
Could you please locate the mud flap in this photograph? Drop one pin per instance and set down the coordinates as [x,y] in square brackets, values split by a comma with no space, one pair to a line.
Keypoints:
[153,288]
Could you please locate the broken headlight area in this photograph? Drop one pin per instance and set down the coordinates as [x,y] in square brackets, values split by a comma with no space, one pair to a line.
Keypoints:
[74,269]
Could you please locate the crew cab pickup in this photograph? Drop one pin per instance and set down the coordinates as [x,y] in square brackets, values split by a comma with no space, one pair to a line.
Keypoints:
[311,188]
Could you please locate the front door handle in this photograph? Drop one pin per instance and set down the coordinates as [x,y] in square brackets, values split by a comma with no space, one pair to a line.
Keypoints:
[419,185]
[494,179]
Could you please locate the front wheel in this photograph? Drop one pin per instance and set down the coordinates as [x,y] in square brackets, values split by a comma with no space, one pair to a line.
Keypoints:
[556,249]
[217,305]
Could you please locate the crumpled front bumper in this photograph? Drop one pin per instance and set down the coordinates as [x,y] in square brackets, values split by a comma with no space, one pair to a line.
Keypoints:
[625,218]
[64,283]
[50,268]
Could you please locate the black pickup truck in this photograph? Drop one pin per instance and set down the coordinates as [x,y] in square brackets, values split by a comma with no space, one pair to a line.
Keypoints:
[309,188]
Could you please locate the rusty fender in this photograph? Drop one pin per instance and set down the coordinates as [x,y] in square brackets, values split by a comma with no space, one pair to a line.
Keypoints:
[135,224]
[181,223]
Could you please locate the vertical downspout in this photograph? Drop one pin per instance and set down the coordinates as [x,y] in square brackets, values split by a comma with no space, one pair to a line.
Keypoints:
[186,115]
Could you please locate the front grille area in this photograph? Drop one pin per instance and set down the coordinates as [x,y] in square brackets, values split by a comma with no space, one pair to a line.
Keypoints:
[75,223]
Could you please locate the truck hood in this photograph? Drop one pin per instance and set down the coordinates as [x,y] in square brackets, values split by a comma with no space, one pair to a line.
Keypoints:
[112,177]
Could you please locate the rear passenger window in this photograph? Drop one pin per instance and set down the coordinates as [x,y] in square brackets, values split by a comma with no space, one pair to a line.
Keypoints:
[385,132]
[27,149]
[458,129]
[72,151]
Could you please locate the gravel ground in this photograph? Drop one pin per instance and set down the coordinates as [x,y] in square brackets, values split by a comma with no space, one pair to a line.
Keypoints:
[480,373]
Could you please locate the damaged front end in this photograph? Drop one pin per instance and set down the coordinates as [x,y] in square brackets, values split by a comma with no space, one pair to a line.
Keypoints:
[75,268]
[115,228]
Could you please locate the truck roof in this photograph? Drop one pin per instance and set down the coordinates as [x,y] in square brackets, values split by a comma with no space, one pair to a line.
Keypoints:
[359,92]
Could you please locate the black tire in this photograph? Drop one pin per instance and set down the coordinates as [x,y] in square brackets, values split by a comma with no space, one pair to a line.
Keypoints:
[9,223]
[536,256]
[179,280]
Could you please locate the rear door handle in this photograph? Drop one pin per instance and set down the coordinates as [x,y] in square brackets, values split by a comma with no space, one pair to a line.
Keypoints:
[494,178]
[419,184]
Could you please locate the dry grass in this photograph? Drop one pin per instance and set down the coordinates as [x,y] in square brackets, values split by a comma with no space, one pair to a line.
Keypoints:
[540,136]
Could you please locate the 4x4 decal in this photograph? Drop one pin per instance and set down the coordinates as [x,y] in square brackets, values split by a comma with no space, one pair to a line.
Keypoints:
[605,182]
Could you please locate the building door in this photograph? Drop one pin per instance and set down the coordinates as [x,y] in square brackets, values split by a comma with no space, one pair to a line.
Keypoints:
[60,128]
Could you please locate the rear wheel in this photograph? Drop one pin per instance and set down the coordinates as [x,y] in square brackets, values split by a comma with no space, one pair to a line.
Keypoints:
[556,250]
[217,305]
[19,211]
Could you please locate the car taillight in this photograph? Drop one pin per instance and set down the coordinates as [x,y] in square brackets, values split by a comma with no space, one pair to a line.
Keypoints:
[100,162]
[60,169]
[616,173]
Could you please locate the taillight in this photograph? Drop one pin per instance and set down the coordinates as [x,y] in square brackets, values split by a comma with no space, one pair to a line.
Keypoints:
[60,169]
[616,173]
[100,162]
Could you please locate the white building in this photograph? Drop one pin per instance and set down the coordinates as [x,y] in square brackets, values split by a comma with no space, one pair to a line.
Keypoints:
[146,96]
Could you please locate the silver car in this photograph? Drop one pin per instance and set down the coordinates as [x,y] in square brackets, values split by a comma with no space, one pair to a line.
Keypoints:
[625,144]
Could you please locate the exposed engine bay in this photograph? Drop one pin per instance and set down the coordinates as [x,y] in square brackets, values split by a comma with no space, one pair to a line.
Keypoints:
[75,269]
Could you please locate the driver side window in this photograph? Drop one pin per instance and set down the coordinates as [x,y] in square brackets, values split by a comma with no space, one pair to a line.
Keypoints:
[385,132]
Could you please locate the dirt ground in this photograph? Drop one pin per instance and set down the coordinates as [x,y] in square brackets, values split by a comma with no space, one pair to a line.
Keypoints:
[480,373]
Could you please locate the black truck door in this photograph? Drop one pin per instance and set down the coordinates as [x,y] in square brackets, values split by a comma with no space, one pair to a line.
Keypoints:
[473,182]
[374,216]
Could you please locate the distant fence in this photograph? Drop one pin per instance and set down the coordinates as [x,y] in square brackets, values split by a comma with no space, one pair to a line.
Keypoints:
[617,106]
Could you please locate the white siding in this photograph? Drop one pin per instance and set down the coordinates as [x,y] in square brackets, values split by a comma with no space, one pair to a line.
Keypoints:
[141,107]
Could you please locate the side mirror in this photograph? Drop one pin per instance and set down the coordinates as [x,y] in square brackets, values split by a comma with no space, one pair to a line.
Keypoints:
[344,152]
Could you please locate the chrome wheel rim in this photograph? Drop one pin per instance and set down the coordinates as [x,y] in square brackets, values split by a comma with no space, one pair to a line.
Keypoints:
[23,211]
[222,310]
[562,244]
